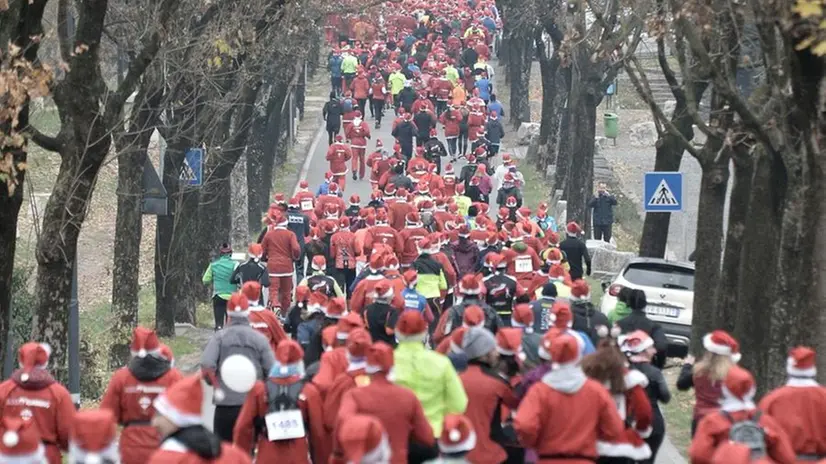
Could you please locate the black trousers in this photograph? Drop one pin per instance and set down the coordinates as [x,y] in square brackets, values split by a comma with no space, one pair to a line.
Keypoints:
[219,311]
[224,421]
[331,134]
[335,83]
[344,277]
[464,146]
[441,106]
[378,110]
[602,233]
[299,267]
[417,454]
[363,107]
[451,146]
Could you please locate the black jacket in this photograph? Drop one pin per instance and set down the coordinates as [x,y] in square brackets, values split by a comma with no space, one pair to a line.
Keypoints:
[587,319]
[424,122]
[251,270]
[469,57]
[376,315]
[503,194]
[576,252]
[657,391]
[457,312]
[603,206]
[500,292]
[466,173]
[637,320]
[495,131]
[299,224]
[434,148]
[406,98]
[332,114]
[405,131]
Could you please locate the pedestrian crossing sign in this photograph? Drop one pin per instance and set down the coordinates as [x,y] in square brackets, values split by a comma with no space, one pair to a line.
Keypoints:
[192,169]
[663,192]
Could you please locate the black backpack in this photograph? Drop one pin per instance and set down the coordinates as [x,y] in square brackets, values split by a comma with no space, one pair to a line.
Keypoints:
[283,397]
[748,432]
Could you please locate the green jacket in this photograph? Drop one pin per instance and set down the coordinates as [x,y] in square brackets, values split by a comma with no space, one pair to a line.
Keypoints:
[349,64]
[452,74]
[431,276]
[620,311]
[218,273]
[396,82]
[433,379]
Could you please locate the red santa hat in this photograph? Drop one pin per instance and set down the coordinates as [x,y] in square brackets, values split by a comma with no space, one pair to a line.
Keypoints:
[511,202]
[411,326]
[580,290]
[721,343]
[358,342]
[381,216]
[347,324]
[20,441]
[738,391]
[319,263]
[377,261]
[390,190]
[302,294]
[634,344]
[556,272]
[401,193]
[464,231]
[255,250]
[332,189]
[424,245]
[473,316]
[303,185]
[411,277]
[363,440]
[509,341]
[144,342]
[449,171]
[455,341]
[522,317]
[391,262]
[252,290]
[470,285]
[355,200]
[277,218]
[379,143]
[457,436]
[801,363]
[379,358]
[413,220]
[289,360]
[492,239]
[317,302]
[93,437]
[238,305]
[426,205]
[166,353]
[383,290]
[181,402]
[460,189]
[343,223]
[32,356]
[524,212]
[573,229]
[506,159]
[329,337]
[561,315]
[565,351]
[294,203]
[336,308]
[280,199]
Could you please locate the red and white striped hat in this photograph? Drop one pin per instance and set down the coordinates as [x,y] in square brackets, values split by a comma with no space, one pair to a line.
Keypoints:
[722,343]
[801,362]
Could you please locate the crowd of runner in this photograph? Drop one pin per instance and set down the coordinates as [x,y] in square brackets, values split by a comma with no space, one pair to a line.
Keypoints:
[426,327]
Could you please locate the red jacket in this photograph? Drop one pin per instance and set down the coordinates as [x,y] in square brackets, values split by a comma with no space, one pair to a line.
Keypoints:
[297,450]
[331,364]
[343,246]
[343,383]
[361,296]
[267,323]
[396,407]
[130,400]
[361,88]
[423,102]
[443,88]
[358,135]
[448,267]
[449,189]
[324,200]
[397,212]
[410,237]
[379,89]
[44,401]
[280,250]
[713,431]
[418,165]
[172,452]
[555,422]
[306,201]
[486,392]
[378,165]
[798,408]
[338,155]
[522,264]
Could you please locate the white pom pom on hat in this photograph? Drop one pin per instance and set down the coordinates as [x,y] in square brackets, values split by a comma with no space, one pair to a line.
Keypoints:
[11,439]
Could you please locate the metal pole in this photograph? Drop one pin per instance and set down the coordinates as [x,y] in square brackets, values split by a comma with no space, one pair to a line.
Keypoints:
[74,341]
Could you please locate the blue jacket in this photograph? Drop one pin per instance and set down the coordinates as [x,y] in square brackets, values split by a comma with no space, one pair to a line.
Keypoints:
[334,64]
[322,189]
[496,106]
[413,300]
[484,88]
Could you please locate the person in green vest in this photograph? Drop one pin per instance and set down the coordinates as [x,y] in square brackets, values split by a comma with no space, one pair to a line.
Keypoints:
[451,73]
[396,83]
[349,66]
[218,273]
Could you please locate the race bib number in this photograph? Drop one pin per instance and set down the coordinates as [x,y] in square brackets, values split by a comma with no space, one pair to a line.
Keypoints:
[306,204]
[284,425]
[523,265]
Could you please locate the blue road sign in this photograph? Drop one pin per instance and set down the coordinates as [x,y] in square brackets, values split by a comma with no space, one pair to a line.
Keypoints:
[192,172]
[663,192]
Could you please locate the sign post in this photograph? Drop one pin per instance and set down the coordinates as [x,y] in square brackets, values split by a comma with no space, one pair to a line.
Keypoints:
[663,192]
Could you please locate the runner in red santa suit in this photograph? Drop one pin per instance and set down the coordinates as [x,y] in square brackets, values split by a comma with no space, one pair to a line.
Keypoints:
[287,388]
[179,419]
[331,205]
[133,389]
[564,415]
[20,442]
[306,199]
[397,408]
[608,366]
[261,319]
[94,438]
[399,209]
[449,179]
[358,343]
[338,154]
[799,407]
[280,251]
[358,134]
[334,362]
[410,236]
[32,394]
[383,233]
[379,163]
[522,260]
[362,440]
[738,412]
[362,294]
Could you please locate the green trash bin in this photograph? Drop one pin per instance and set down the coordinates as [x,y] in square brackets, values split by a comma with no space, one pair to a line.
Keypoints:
[611,122]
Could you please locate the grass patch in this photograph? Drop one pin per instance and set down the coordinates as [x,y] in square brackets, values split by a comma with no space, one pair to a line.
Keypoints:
[679,411]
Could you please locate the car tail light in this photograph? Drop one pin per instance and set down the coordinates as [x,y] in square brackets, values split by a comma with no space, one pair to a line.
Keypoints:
[614,289]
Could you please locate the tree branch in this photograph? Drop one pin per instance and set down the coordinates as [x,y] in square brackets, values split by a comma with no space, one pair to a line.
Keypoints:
[46,142]
[65,42]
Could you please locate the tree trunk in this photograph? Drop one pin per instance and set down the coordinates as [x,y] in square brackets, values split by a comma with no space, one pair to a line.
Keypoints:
[552,104]
[132,155]
[266,133]
[563,154]
[709,245]
[520,69]
[581,176]
[240,223]
[756,285]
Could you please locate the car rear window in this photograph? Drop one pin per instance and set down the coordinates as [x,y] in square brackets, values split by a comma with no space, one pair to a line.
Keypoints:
[660,275]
